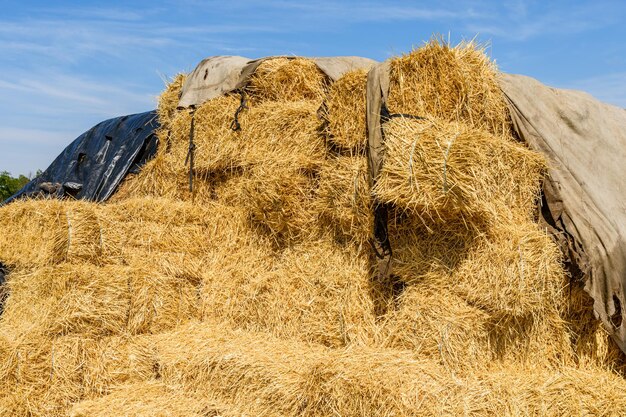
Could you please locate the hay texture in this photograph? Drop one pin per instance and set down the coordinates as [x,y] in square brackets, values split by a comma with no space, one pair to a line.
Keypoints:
[451,83]
[344,203]
[257,293]
[345,112]
[438,170]
[289,79]
[313,292]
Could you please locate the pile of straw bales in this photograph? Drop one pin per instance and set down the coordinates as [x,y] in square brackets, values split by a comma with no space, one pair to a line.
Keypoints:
[255,291]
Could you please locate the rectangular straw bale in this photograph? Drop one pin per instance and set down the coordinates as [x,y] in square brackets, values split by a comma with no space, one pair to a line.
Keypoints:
[216,144]
[343,202]
[288,79]
[452,83]
[151,399]
[116,360]
[345,110]
[159,301]
[34,233]
[541,341]
[515,269]
[516,391]
[284,132]
[68,299]
[162,177]
[421,252]
[237,366]
[436,324]
[314,292]
[279,200]
[40,376]
[440,170]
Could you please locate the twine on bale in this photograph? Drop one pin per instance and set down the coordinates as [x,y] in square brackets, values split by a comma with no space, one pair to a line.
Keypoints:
[190,152]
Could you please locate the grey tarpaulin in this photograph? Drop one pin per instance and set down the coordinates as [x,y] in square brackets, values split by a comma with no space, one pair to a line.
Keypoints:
[94,164]
[377,91]
[584,141]
[219,75]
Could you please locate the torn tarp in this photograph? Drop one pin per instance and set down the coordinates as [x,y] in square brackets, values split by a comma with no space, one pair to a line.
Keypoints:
[94,164]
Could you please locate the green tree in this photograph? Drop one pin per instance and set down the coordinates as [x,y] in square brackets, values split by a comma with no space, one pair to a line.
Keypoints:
[10,185]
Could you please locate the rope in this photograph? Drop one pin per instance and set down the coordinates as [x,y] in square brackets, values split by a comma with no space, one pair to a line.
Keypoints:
[190,152]
[235,125]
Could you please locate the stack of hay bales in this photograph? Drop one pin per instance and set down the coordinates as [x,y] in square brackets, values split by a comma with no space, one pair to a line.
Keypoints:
[256,293]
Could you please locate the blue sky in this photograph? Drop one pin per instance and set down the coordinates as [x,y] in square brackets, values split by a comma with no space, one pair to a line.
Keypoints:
[67,65]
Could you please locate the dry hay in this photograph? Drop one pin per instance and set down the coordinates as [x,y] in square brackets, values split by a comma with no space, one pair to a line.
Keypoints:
[345,112]
[296,379]
[421,252]
[279,201]
[315,292]
[155,399]
[452,83]
[46,232]
[437,324]
[116,360]
[68,299]
[40,376]
[289,79]
[514,270]
[168,100]
[592,344]
[282,132]
[439,170]
[217,146]
[343,202]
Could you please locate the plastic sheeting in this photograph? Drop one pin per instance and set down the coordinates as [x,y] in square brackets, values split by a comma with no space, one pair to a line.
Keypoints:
[94,164]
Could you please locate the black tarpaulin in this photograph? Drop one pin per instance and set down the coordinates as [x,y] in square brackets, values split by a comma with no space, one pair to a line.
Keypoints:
[95,163]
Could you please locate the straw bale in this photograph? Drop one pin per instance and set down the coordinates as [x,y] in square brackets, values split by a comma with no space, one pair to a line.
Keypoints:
[345,112]
[438,325]
[84,236]
[541,341]
[289,79]
[299,379]
[591,342]
[41,377]
[154,399]
[116,360]
[168,100]
[314,291]
[216,144]
[452,83]
[343,201]
[514,270]
[280,201]
[34,233]
[68,299]
[163,178]
[422,252]
[284,132]
[158,301]
[439,170]
[155,225]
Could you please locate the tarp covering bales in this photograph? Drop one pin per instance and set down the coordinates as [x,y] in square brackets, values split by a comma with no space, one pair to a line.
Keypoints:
[219,75]
[256,291]
[584,141]
[94,164]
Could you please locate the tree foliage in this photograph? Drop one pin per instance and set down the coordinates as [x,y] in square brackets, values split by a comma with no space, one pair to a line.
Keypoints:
[10,185]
